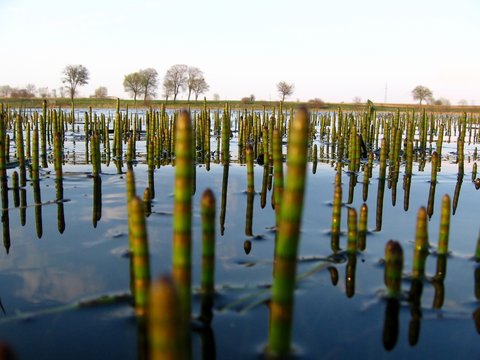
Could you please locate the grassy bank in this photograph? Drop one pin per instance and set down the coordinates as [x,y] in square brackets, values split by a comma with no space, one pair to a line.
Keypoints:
[111,103]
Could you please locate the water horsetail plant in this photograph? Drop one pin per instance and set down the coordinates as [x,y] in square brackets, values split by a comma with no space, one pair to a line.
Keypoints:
[336,216]
[421,244]
[281,307]
[223,205]
[393,268]
[58,155]
[366,181]
[97,200]
[140,262]
[208,242]
[438,281]
[182,213]
[383,159]
[7,148]
[456,193]
[130,185]
[226,135]
[391,324]
[250,179]
[379,211]
[352,236]
[277,173]
[35,163]
[21,151]
[444,226]
[5,215]
[460,156]
[43,134]
[147,200]
[167,331]
[263,194]
[37,199]
[362,227]
[16,189]
[477,250]
[3,147]
[434,167]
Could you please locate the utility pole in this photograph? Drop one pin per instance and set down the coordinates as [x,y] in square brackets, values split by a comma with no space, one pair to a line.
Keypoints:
[386,89]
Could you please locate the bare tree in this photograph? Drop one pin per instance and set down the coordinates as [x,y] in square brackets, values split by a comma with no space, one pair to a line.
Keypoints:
[61,91]
[216,97]
[101,92]
[421,93]
[5,91]
[463,102]
[23,93]
[31,89]
[149,79]
[200,86]
[357,100]
[195,75]
[442,101]
[285,89]
[132,84]
[74,75]
[43,92]
[167,89]
[176,77]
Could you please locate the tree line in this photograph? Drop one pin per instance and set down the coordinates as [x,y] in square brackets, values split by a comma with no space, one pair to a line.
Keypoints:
[177,79]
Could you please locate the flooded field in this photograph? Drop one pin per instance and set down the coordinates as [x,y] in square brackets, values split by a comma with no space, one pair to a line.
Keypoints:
[66,271]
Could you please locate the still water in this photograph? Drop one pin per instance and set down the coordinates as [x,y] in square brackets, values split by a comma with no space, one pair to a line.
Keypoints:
[66,246]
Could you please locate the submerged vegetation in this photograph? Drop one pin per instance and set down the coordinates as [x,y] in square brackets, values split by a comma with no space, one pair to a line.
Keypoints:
[333,149]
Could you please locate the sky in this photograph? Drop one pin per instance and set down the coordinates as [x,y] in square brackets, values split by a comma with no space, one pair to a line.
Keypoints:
[332,50]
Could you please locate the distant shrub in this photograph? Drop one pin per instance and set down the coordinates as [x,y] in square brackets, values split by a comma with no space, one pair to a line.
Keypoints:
[248,99]
[316,102]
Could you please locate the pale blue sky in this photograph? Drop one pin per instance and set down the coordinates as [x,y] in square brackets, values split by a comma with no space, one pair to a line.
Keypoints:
[333,50]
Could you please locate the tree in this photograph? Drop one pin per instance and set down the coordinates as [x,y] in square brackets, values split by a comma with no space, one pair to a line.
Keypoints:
[176,78]
[167,89]
[317,102]
[248,99]
[5,91]
[357,100]
[132,84]
[442,101]
[216,97]
[421,93]
[31,89]
[149,80]
[285,89]
[74,75]
[101,92]
[200,86]
[43,92]
[463,102]
[194,81]
[23,93]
